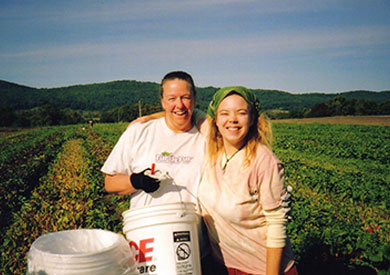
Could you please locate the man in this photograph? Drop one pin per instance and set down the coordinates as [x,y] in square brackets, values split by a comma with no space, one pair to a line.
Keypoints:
[171,144]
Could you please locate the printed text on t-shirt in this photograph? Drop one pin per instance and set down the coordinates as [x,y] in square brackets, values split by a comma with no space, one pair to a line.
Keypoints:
[166,157]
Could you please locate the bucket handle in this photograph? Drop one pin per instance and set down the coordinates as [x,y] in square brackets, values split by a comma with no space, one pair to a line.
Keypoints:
[178,190]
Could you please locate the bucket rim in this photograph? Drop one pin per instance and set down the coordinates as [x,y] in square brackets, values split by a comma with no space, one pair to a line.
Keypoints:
[162,212]
[77,255]
[148,207]
[135,224]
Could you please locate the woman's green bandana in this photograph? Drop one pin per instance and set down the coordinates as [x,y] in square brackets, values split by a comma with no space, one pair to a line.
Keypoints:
[247,94]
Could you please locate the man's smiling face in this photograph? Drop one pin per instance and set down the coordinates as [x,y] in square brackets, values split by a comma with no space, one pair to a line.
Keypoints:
[178,103]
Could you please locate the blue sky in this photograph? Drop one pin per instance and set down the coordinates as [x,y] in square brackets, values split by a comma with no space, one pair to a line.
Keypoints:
[297,46]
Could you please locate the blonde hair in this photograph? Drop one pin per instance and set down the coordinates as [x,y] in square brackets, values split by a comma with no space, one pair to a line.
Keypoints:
[259,133]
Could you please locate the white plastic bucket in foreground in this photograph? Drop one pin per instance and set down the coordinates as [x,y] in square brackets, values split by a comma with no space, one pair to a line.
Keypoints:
[83,252]
[164,238]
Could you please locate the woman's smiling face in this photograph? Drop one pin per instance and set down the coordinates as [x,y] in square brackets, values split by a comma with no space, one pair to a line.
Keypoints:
[233,120]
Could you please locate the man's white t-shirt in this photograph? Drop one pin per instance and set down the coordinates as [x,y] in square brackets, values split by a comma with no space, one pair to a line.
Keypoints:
[180,155]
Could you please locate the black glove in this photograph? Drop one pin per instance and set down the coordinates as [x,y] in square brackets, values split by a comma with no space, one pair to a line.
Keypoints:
[146,183]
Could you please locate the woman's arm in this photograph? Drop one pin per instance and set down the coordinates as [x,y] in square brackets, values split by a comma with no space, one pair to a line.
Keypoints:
[276,238]
[201,122]
[146,118]
[199,119]
[274,258]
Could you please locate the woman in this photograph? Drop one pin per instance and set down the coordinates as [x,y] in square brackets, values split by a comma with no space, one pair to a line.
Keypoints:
[242,189]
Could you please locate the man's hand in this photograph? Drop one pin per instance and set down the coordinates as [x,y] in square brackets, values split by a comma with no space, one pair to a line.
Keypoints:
[143,182]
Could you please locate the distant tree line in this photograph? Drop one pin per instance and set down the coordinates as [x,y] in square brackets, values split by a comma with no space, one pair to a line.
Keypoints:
[102,97]
[129,112]
[50,114]
[46,115]
[341,106]
[23,106]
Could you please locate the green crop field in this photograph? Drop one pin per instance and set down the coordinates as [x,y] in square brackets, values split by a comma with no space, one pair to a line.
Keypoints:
[340,174]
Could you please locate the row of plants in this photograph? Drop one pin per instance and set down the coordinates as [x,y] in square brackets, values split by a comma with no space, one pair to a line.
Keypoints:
[70,196]
[340,206]
[15,143]
[344,229]
[355,142]
[48,209]
[13,137]
[365,179]
[23,164]
[110,204]
[110,132]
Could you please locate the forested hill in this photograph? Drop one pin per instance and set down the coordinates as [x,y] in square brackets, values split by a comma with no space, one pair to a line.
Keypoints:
[109,95]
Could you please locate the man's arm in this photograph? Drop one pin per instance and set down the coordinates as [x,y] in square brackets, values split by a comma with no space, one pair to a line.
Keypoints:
[118,184]
[124,184]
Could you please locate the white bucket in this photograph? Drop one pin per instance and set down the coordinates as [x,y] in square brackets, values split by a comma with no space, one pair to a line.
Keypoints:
[164,238]
[82,251]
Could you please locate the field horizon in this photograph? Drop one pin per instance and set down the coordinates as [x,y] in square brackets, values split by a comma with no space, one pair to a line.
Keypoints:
[352,120]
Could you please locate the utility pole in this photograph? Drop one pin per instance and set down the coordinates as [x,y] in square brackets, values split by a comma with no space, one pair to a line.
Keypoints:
[139,108]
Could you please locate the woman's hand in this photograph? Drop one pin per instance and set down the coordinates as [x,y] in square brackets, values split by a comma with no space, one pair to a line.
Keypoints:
[144,119]
[201,122]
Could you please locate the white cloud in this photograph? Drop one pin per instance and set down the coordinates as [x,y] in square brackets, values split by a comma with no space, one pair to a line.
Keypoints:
[119,10]
[243,46]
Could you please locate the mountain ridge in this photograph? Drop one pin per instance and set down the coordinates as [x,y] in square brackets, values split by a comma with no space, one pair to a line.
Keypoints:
[112,94]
